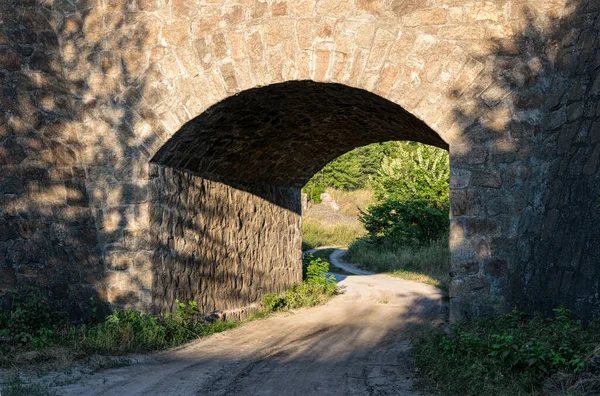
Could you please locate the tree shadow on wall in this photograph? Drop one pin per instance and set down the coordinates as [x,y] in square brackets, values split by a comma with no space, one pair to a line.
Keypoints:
[534,122]
[74,135]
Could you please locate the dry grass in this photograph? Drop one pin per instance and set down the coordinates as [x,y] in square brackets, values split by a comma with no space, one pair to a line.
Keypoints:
[421,278]
[318,234]
[425,264]
[324,226]
[351,202]
[583,383]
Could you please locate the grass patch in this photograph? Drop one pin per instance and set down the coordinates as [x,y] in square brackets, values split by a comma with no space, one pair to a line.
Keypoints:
[421,278]
[352,202]
[426,264]
[131,331]
[316,289]
[32,333]
[323,254]
[507,355]
[315,235]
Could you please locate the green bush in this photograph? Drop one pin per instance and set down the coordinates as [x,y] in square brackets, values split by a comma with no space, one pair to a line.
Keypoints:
[316,288]
[414,172]
[30,319]
[132,331]
[32,325]
[503,356]
[410,223]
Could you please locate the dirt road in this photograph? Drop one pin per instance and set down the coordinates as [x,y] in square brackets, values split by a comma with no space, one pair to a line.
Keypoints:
[354,345]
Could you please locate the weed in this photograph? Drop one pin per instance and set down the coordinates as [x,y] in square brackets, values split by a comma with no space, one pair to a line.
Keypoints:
[503,356]
[316,288]
[44,338]
[187,311]
[32,332]
[30,320]
[132,331]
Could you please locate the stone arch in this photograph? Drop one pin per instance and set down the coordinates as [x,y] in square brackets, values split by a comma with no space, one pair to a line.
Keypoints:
[511,86]
[258,148]
[283,133]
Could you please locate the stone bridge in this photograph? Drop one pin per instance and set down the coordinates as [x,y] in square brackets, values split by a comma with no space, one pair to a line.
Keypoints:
[155,149]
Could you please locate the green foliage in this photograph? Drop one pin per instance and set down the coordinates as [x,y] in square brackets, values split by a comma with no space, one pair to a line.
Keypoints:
[411,183]
[408,222]
[315,270]
[33,325]
[402,171]
[414,172]
[132,331]
[503,356]
[30,319]
[349,171]
[94,316]
[187,311]
[44,339]
[274,302]
[313,191]
[315,289]
[306,294]
[412,187]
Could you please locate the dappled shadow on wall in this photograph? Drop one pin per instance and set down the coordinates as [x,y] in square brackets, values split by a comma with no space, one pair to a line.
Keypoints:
[530,150]
[68,168]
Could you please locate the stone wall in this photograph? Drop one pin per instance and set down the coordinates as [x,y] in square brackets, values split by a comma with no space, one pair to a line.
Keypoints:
[558,249]
[221,246]
[93,89]
[47,230]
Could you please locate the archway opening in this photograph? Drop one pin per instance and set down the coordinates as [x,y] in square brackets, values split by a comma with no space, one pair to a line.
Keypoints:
[227,201]
[385,206]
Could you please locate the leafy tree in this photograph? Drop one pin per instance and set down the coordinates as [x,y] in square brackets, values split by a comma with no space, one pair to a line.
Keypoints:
[349,171]
[414,172]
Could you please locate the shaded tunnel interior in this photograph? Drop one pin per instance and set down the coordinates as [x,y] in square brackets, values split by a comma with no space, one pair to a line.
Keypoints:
[284,133]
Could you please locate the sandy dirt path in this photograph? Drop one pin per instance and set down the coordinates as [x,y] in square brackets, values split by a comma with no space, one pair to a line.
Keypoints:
[354,345]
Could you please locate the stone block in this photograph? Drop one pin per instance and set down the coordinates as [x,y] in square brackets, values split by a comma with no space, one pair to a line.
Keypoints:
[465,202]
[489,179]
[459,178]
